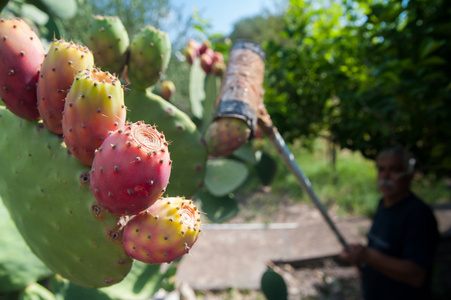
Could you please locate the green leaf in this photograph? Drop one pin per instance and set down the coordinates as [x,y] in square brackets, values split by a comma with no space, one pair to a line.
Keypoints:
[266,167]
[224,175]
[273,285]
[217,209]
[428,46]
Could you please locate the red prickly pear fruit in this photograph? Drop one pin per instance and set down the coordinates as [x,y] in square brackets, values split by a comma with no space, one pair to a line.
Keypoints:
[218,68]
[225,135]
[21,55]
[131,169]
[167,89]
[94,106]
[205,45]
[206,63]
[218,57]
[193,44]
[164,232]
[190,55]
[62,62]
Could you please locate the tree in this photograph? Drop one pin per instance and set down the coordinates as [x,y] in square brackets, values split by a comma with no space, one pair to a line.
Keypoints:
[371,73]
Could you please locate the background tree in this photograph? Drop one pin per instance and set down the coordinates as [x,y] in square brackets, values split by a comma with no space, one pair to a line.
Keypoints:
[372,73]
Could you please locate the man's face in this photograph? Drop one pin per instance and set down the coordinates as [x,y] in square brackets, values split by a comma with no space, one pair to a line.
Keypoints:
[392,180]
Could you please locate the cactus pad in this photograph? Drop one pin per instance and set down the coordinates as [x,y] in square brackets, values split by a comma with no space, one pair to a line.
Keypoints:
[47,194]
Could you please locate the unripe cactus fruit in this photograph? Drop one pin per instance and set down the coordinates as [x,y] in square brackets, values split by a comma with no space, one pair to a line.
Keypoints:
[225,135]
[164,232]
[21,54]
[94,107]
[109,41]
[131,169]
[167,89]
[62,62]
[150,53]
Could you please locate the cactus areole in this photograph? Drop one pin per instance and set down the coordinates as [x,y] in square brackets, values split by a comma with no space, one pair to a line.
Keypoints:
[241,94]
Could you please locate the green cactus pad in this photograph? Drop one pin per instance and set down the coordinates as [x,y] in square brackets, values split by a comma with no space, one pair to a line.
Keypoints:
[150,53]
[19,267]
[47,194]
[224,175]
[188,152]
[141,283]
[108,40]
[217,209]
[35,291]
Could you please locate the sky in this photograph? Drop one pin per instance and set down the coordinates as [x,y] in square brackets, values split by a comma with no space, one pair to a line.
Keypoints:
[223,14]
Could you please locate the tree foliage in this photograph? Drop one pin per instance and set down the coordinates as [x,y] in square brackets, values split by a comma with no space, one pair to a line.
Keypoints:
[372,73]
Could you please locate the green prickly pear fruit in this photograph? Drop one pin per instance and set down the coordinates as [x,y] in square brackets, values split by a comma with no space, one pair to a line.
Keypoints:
[46,191]
[150,53]
[225,135]
[21,55]
[131,169]
[167,89]
[62,62]
[94,107]
[188,152]
[164,232]
[109,41]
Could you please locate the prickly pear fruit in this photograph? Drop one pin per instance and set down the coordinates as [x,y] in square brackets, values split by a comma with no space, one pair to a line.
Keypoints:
[167,89]
[205,45]
[109,41]
[150,52]
[164,232]
[190,55]
[21,54]
[131,169]
[62,62]
[206,63]
[94,106]
[188,154]
[218,68]
[225,135]
[55,214]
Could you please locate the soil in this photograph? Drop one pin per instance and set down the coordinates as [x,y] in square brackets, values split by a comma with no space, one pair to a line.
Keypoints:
[326,278]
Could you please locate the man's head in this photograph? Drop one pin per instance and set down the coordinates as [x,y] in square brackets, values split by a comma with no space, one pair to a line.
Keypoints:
[394,173]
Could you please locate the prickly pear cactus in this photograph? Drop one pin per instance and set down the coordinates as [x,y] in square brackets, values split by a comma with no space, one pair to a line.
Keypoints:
[108,39]
[188,152]
[150,53]
[47,194]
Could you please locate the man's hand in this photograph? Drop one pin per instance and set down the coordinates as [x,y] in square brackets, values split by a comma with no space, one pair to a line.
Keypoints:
[353,254]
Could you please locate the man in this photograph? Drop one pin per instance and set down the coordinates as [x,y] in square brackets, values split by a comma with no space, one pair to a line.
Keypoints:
[397,262]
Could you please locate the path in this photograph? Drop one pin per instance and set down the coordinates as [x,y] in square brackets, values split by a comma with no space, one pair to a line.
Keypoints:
[235,255]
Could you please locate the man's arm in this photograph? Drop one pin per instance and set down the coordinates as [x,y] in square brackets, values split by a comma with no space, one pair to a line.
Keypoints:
[395,268]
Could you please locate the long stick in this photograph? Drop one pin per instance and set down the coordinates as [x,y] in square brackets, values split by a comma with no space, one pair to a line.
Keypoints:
[305,183]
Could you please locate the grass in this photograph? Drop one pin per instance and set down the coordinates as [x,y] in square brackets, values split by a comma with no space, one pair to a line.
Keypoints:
[350,184]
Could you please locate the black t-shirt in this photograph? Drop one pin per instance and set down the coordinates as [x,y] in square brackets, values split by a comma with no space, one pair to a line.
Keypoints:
[407,230]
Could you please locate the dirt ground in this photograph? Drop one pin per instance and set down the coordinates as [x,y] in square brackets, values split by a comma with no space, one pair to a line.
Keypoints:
[325,279]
